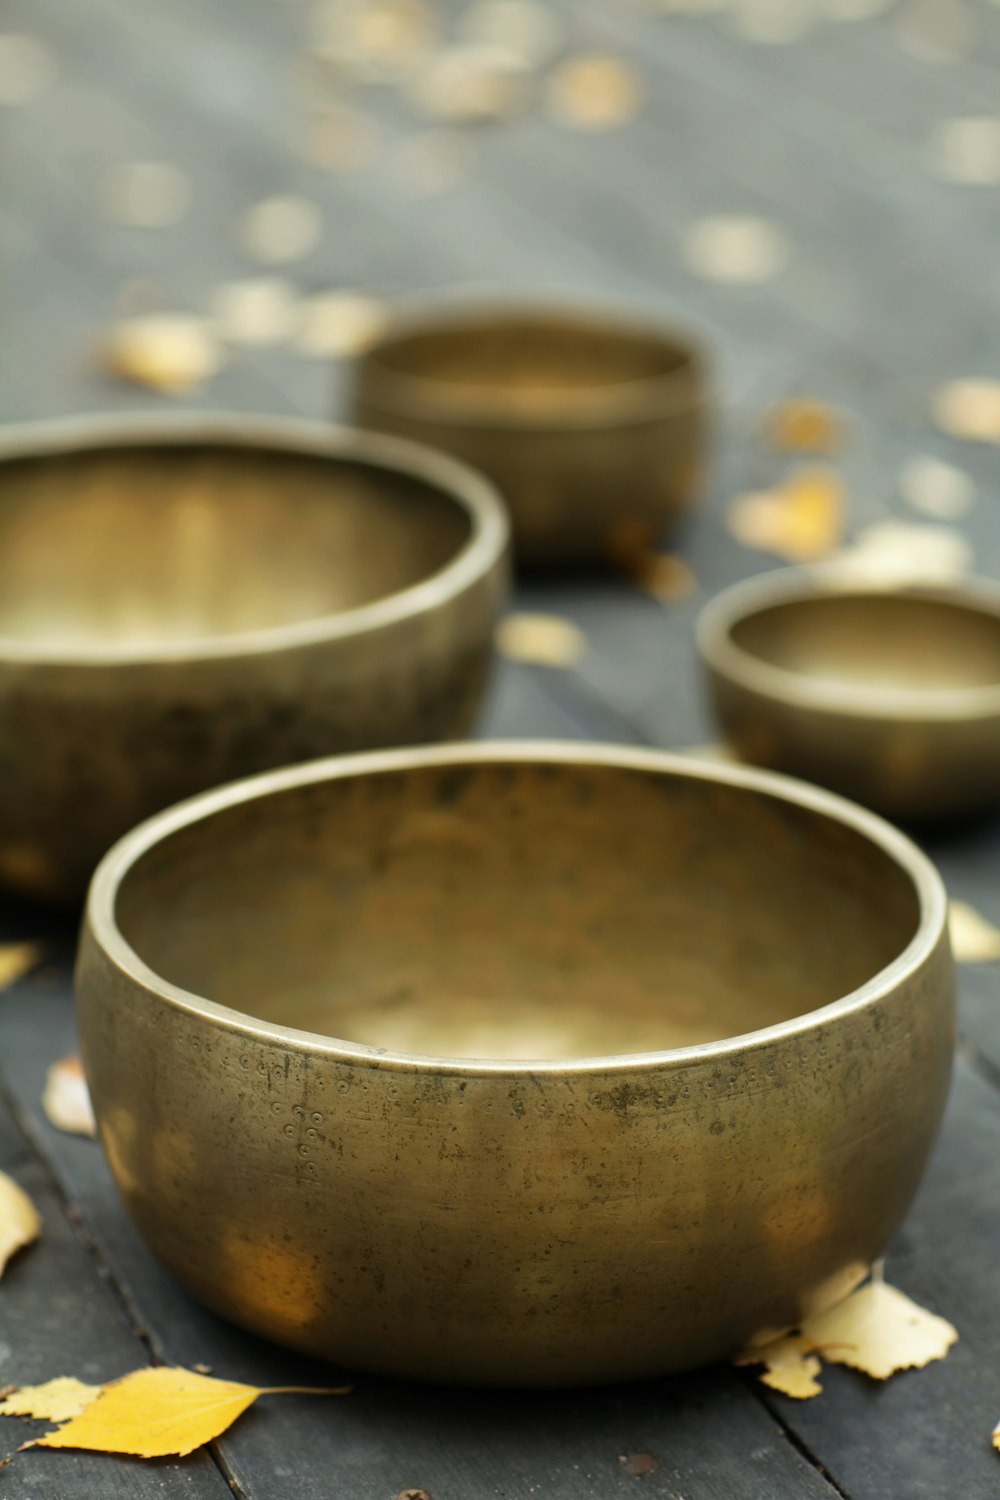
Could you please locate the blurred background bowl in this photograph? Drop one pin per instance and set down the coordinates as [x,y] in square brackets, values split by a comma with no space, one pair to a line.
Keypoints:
[888,694]
[186,601]
[591,423]
[393,1064]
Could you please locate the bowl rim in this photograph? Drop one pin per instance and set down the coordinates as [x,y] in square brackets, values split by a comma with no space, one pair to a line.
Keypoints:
[102,927]
[742,601]
[616,403]
[474,494]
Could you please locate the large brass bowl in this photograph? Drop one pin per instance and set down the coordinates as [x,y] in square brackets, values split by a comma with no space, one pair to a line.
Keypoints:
[516,1065]
[187,601]
[888,695]
[591,423]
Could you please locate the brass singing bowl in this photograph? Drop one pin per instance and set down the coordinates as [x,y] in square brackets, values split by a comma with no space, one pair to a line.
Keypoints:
[395,1065]
[887,695]
[184,601]
[591,424]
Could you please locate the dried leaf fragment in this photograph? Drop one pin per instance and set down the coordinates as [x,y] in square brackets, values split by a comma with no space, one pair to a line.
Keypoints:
[974,940]
[543,640]
[594,92]
[735,248]
[969,409]
[168,352]
[66,1100]
[256,311]
[790,1366]
[472,85]
[801,520]
[966,150]
[20,1222]
[337,325]
[936,489]
[281,229]
[160,1413]
[799,425]
[899,552]
[55,1401]
[877,1329]
[16,960]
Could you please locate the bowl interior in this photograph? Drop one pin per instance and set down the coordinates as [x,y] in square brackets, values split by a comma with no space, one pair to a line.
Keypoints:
[518,910]
[882,641]
[526,364]
[177,541]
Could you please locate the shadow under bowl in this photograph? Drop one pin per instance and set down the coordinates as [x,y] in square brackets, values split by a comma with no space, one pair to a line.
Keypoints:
[591,423]
[887,695]
[184,601]
[394,1065]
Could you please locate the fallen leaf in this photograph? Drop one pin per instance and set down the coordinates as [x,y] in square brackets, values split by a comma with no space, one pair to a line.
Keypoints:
[735,248]
[414,1495]
[594,92]
[665,576]
[877,1329]
[161,1413]
[168,352]
[897,552]
[16,960]
[801,520]
[337,325]
[257,311]
[544,640]
[374,40]
[66,1100]
[936,489]
[146,194]
[790,1366]
[472,85]
[966,151]
[26,69]
[638,1463]
[281,229]
[530,32]
[969,409]
[55,1401]
[974,940]
[20,1222]
[799,425]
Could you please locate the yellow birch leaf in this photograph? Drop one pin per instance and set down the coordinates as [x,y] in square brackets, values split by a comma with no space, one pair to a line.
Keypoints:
[546,640]
[20,1222]
[16,959]
[162,1413]
[790,1366]
[974,940]
[66,1100]
[801,520]
[879,1330]
[55,1401]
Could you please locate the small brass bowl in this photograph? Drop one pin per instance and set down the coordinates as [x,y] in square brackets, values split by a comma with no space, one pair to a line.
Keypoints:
[186,601]
[592,425]
[887,695]
[394,1064]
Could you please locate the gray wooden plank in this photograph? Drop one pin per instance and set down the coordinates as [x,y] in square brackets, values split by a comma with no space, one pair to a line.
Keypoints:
[60,1316]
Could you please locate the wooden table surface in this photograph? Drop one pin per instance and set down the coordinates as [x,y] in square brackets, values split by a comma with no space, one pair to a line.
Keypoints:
[891,286]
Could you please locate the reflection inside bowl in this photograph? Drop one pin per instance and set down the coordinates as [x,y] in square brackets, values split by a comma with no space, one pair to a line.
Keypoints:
[179,541]
[518,911]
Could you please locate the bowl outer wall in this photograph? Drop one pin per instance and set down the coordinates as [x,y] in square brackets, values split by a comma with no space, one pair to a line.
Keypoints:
[561,1224]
